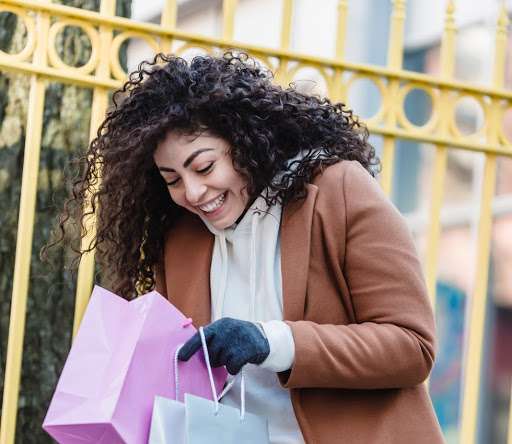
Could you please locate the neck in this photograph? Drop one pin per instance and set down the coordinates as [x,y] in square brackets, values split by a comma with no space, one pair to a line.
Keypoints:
[245,211]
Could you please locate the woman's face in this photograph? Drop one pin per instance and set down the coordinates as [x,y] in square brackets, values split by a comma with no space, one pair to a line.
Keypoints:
[200,176]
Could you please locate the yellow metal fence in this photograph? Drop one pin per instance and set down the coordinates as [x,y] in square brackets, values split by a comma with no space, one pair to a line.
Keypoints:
[104,73]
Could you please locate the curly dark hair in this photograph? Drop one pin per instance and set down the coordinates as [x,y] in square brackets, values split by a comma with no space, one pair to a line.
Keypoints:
[231,96]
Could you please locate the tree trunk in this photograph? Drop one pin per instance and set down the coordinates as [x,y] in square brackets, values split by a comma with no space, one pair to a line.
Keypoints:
[50,305]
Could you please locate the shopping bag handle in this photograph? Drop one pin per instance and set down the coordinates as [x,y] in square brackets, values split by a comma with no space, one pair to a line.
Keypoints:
[209,368]
[228,387]
[176,379]
[242,392]
[210,377]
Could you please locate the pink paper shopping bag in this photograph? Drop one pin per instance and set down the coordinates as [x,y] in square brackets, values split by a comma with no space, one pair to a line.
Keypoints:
[121,358]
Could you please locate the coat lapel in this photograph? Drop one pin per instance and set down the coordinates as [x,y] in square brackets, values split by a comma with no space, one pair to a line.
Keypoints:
[295,253]
[187,263]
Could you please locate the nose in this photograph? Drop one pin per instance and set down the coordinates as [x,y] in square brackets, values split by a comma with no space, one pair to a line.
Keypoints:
[195,191]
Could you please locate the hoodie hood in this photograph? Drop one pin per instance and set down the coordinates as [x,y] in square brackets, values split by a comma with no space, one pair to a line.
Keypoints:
[259,223]
[255,239]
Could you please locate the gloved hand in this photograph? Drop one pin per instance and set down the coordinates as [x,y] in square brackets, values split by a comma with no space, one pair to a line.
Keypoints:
[231,342]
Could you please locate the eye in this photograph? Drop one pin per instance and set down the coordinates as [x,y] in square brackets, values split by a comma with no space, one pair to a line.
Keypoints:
[207,169]
[173,182]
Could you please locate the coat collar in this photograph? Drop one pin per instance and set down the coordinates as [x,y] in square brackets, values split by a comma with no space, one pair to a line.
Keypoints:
[189,290]
[187,258]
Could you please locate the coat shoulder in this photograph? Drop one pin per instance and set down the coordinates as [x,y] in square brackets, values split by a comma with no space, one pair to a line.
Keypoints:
[344,180]
[339,172]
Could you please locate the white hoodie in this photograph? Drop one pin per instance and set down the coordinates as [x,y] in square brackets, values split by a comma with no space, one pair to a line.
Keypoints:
[245,282]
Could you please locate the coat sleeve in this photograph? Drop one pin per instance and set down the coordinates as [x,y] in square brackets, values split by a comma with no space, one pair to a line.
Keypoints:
[391,344]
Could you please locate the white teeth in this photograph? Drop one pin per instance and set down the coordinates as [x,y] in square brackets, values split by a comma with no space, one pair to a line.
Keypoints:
[208,208]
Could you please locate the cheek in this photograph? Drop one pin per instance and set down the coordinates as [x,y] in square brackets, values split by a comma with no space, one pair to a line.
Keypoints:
[177,197]
[239,184]
[234,180]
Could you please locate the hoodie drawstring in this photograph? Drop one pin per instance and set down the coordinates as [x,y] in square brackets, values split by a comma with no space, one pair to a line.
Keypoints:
[223,283]
[252,271]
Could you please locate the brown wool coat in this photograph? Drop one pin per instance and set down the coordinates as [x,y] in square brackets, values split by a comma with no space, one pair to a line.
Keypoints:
[355,299]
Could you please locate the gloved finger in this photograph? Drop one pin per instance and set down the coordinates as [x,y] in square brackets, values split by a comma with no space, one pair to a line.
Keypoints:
[190,347]
[233,366]
[217,353]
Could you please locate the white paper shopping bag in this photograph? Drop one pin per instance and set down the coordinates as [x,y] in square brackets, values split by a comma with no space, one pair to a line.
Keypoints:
[167,422]
[227,425]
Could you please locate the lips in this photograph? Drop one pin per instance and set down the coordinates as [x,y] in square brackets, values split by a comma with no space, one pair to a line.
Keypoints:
[214,205]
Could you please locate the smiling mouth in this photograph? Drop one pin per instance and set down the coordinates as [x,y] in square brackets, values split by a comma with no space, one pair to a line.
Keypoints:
[212,206]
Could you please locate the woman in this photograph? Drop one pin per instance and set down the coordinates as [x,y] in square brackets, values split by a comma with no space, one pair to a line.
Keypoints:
[253,209]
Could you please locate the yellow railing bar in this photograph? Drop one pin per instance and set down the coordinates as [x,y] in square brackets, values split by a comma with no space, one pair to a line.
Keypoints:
[474,338]
[341,29]
[439,171]
[24,239]
[56,74]
[396,35]
[286,24]
[499,80]
[498,75]
[394,62]
[85,276]
[448,42]
[228,9]
[281,76]
[474,341]
[149,28]
[434,229]
[337,90]
[443,140]
[168,21]
[388,161]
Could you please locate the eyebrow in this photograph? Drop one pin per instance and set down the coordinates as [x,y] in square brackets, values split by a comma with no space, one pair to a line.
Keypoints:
[188,161]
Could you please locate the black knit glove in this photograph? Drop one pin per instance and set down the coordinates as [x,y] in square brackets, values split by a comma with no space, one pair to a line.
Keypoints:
[231,342]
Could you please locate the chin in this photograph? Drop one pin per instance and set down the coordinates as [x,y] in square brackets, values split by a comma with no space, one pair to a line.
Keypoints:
[220,225]
[224,222]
